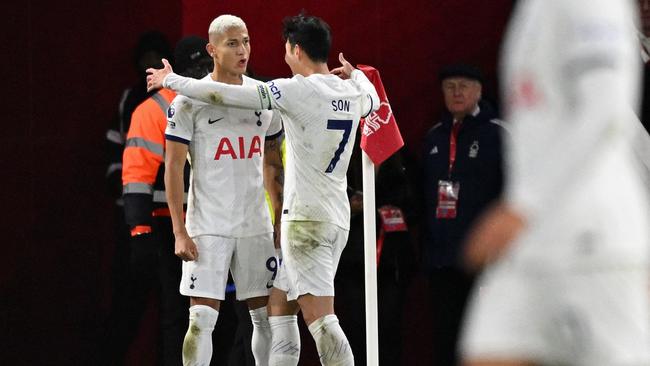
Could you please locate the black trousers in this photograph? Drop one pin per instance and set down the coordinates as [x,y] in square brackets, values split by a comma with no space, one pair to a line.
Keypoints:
[449,291]
[144,265]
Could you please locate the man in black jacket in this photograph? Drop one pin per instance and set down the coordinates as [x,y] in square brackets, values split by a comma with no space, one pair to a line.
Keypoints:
[462,174]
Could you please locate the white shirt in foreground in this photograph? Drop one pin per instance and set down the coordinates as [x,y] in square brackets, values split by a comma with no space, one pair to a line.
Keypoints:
[571,75]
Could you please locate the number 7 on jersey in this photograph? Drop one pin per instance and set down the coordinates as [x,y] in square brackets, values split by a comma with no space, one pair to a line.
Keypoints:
[346,126]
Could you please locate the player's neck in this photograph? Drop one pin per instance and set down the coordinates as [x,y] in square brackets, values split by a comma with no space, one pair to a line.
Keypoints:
[315,68]
[226,77]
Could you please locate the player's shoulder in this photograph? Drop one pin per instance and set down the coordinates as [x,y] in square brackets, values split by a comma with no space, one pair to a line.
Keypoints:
[181,104]
[292,82]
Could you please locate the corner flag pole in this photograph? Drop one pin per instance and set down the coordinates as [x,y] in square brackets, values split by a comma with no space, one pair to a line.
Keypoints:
[370,259]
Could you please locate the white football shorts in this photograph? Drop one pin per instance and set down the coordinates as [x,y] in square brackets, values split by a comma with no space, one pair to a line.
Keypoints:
[311,251]
[251,261]
[589,317]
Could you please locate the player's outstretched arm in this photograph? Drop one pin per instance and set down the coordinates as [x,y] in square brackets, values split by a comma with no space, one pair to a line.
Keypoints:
[211,92]
[492,235]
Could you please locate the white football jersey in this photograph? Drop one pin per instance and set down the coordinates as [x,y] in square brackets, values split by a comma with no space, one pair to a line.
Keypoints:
[226,146]
[321,115]
[571,76]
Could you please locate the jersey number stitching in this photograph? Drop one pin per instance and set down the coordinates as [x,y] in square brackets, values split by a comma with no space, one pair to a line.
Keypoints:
[346,126]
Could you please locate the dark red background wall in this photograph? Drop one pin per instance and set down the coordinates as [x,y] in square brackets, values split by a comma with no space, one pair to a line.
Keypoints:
[64,67]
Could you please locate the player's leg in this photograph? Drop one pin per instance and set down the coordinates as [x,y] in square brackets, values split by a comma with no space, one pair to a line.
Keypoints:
[261,339]
[285,335]
[197,344]
[313,250]
[253,268]
[332,344]
[204,281]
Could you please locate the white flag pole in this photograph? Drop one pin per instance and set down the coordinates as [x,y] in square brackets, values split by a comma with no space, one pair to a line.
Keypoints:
[370,259]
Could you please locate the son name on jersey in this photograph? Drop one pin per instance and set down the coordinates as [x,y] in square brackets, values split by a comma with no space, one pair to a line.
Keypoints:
[341,105]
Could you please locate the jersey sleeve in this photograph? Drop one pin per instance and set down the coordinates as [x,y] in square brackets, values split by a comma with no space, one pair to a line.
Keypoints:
[275,128]
[284,92]
[370,102]
[180,126]
[212,92]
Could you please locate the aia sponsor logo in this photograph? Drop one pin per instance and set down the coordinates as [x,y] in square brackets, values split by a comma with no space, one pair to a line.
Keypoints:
[240,149]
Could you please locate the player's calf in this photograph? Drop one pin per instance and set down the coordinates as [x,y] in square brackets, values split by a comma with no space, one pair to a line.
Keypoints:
[197,345]
[285,340]
[332,344]
[261,340]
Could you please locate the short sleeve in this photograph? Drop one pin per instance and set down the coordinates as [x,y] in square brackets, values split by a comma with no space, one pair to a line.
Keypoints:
[285,92]
[275,128]
[180,126]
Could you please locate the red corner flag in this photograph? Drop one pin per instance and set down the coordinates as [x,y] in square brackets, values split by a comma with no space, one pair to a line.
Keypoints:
[380,136]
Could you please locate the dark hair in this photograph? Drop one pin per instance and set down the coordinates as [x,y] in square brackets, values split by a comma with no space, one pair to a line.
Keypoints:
[312,34]
[191,59]
[152,41]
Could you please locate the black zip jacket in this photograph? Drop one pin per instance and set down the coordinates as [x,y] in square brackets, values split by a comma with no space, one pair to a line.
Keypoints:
[478,169]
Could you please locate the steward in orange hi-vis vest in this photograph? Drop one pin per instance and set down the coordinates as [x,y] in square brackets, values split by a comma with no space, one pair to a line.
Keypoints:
[143,163]
[152,262]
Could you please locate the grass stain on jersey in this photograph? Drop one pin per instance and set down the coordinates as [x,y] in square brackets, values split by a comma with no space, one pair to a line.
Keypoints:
[190,344]
[186,105]
[216,98]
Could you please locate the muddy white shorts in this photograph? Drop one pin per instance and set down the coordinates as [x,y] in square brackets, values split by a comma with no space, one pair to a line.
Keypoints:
[588,317]
[251,262]
[311,251]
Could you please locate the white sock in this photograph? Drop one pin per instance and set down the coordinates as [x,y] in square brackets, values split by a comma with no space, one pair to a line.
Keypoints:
[285,341]
[197,345]
[332,345]
[261,341]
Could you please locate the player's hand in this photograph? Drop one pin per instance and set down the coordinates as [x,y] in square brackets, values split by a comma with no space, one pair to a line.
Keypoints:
[492,235]
[345,70]
[157,76]
[185,248]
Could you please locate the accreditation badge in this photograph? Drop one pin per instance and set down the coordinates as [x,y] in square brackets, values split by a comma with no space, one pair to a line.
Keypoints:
[447,199]
[392,219]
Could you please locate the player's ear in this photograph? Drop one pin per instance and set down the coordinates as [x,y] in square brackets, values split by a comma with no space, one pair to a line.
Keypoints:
[210,48]
[297,51]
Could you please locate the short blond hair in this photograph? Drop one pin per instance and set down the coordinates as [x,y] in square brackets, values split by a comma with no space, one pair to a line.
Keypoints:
[224,22]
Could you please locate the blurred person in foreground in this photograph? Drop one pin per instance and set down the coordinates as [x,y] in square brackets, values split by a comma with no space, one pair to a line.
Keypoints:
[567,247]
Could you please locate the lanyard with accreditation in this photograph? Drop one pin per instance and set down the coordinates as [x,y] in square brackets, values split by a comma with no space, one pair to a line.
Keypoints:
[448,190]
